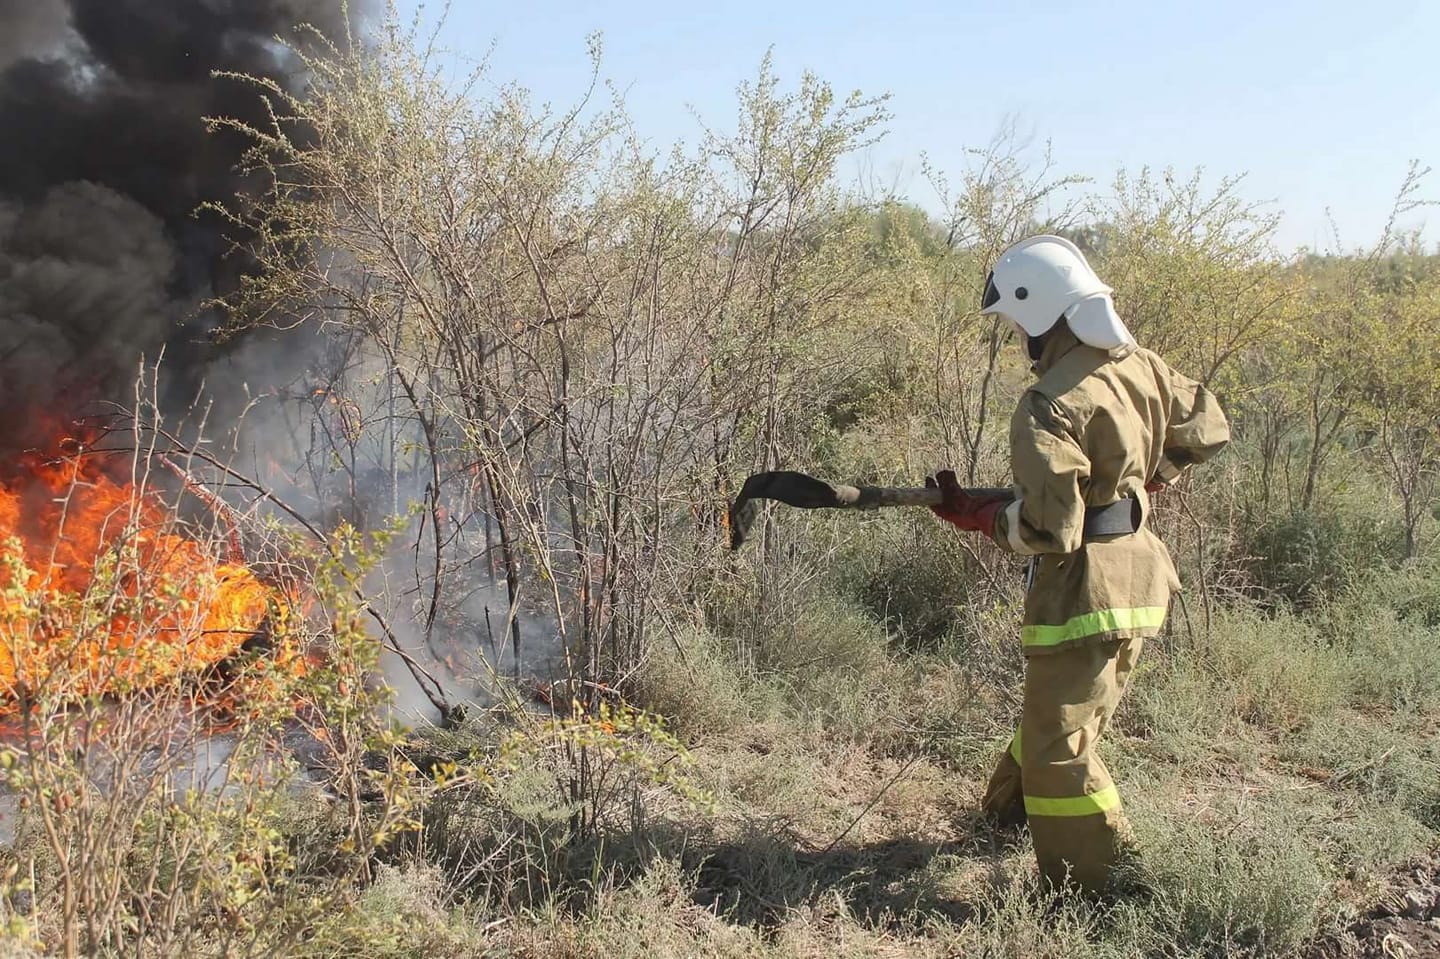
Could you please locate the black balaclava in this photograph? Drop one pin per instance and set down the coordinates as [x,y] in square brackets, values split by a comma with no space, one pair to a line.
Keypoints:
[1035,345]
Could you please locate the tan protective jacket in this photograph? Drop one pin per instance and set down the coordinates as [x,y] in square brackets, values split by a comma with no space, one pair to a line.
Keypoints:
[1093,430]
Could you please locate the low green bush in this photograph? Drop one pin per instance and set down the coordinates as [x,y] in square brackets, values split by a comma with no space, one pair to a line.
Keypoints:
[1387,762]
[1304,558]
[834,667]
[403,914]
[1178,707]
[1389,660]
[1240,879]
[1278,671]
[1413,592]
[696,681]
[928,583]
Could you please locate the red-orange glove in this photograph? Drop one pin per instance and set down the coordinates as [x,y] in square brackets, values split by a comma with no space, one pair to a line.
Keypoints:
[970,513]
[1155,486]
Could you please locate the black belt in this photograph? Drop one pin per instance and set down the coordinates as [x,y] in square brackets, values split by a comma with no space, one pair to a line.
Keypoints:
[1117,519]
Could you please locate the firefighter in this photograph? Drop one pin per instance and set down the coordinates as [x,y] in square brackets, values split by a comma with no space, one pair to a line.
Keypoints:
[1105,425]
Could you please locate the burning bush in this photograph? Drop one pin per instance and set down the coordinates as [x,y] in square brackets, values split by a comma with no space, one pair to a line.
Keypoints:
[98,586]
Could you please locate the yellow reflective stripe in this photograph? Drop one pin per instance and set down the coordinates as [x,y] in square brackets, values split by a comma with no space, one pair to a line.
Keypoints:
[1088,624]
[1102,801]
[1015,746]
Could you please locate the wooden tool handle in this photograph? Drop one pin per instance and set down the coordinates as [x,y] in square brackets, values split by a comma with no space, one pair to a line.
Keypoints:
[874,497]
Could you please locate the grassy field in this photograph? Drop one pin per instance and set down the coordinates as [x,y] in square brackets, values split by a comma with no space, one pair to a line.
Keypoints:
[1276,765]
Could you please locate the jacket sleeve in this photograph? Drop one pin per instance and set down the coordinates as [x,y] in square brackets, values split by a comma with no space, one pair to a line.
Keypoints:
[1050,468]
[1195,428]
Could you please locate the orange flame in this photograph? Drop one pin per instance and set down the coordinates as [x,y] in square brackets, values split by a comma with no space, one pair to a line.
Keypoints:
[97,592]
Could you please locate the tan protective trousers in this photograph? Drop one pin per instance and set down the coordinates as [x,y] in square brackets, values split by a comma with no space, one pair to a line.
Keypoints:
[1051,774]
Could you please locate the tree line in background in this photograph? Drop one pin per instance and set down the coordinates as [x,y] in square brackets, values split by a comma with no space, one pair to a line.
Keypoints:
[582,346]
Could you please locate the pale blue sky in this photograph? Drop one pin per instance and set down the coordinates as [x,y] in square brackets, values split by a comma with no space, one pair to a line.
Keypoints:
[1322,103]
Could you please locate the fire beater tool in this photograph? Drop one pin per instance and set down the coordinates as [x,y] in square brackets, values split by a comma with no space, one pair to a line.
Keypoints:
[807,492]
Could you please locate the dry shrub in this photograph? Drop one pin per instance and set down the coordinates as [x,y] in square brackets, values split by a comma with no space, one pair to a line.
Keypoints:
[179,818]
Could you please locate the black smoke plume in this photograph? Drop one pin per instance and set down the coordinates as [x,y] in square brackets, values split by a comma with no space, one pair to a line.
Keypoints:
[104,159]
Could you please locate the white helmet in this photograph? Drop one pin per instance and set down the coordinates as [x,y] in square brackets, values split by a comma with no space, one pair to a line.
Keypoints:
[1039,280]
